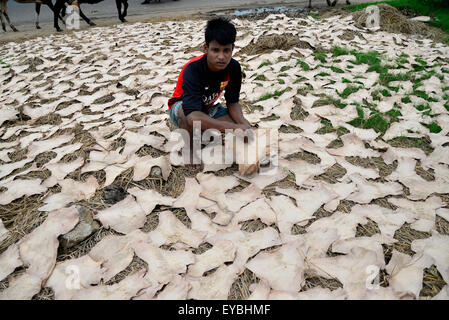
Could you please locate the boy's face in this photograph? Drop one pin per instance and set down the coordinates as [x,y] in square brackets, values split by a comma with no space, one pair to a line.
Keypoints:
[218,56]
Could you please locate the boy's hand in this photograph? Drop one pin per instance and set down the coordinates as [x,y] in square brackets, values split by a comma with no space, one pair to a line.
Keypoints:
[245,131]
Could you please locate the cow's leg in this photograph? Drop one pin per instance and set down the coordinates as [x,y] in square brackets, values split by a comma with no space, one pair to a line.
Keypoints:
[52,8]
[4,13]
[59,4]
[1,17]
[310,3]
[347,2]
[38,10]
[125,10]
[121,16]
[334,3]
[328,3]
[82,15]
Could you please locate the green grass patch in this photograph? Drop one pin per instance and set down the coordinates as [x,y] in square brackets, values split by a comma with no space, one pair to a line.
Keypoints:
[3,64]
[300,79]
[322,74]
[337,70]
[393,115]
[267,96]
[320,55]
[339,51]
[433,127]
[348,91]
[260,77]
[422,107]
[284,68]
[265,63]
[424,96]
[304,65]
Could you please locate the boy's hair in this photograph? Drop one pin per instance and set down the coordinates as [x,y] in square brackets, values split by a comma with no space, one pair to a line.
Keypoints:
[221,30]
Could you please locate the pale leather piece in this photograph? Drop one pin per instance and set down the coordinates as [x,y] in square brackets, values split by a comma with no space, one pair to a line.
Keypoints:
[143,166]
[433,251]
[419,188]
[366,173]
[70,276]
[38,249]
[344,223]
[235,201]
[134,141]
[3,231]
[41,146]
[373,243]
[213,187]
[309,201]
[177,289]
[283,268]
[302,169]
[149,199]
[163,264]
[287,214]
[353,146]
[213,287]
[316,293]
[259,291]
[60,170]
[114,253]
[248,244]
[367,190]
[9,261]
[190,196]
[406,275]
[19,188]
[387,220]
[124,216]
[261,181]
[424,212]
[6,169]
[171,230]
[124,290]
[258,209]
[71,190]
[393,153]
[351,270]
[221,252]
[22,287]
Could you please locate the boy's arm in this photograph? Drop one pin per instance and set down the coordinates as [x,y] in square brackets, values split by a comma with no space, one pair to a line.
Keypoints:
[235,112]
[211,123]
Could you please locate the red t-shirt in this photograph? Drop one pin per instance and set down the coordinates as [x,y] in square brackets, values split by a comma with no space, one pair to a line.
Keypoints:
[199,88]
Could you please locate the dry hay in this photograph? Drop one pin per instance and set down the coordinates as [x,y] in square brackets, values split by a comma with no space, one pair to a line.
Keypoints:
[432,282]
[393,21]
[240,287]
[332,174]
[373,163]
[269,43]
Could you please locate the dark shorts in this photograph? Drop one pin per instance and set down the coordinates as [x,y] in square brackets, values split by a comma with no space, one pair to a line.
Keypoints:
[216,111]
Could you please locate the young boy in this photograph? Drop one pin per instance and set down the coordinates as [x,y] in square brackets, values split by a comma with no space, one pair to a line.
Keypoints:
[204,78]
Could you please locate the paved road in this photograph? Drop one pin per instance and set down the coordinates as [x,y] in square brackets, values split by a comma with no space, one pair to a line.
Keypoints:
[105,13]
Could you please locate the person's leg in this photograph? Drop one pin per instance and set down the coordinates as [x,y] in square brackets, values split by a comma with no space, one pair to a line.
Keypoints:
[184,124]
